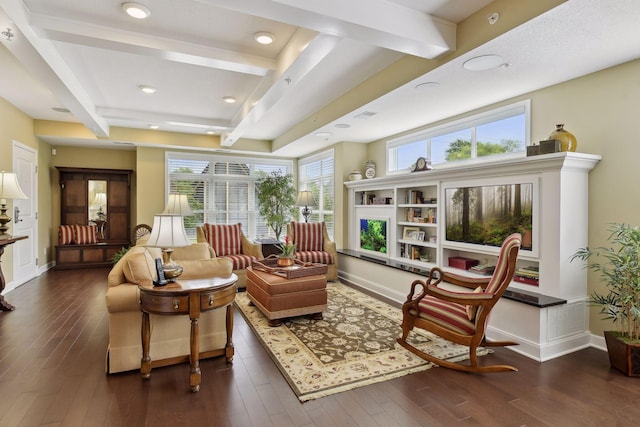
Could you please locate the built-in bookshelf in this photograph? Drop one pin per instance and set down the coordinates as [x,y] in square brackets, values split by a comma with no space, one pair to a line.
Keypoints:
[548,196]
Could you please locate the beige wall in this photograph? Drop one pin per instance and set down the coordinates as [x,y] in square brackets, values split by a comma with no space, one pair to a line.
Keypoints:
[17,126]
[601,111]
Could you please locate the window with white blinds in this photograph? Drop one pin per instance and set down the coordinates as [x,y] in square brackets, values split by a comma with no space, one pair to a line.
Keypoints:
[221,189]
[316,174]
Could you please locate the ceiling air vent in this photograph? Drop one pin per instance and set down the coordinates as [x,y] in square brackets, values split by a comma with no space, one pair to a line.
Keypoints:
[365,115]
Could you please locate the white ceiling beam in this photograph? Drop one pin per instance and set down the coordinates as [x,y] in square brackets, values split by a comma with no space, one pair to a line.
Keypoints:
[98,36]
[42,59]
[160,118]
[293,73]
[377,22]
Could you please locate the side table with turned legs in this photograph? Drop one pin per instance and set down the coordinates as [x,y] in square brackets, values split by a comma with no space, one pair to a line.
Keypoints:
[188,297]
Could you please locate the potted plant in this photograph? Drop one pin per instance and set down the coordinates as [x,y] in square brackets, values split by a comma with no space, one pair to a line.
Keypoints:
[619,268]
[288,250]
[276,198]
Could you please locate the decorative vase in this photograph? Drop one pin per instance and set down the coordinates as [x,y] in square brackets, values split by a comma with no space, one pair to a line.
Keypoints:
[567,139]
[285,261]
[355,175]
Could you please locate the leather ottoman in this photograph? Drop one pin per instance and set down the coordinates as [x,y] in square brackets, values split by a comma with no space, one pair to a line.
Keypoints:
[278,297]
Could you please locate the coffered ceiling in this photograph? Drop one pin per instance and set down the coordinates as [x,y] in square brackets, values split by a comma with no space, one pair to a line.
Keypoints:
[89,57]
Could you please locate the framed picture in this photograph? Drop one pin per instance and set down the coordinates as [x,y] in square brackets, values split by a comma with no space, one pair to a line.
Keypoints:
[410,233]
[420,236]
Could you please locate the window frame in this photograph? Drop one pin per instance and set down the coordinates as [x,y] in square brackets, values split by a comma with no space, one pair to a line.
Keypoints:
[302,185]
[470,122]
[251,228]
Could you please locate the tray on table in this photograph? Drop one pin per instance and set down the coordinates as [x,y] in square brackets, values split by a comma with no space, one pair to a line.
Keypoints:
[298,269]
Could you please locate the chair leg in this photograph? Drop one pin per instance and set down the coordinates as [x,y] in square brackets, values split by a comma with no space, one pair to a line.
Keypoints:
[473,358]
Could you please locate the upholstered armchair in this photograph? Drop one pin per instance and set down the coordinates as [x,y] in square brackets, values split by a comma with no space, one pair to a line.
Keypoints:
[314,245]
[228,241]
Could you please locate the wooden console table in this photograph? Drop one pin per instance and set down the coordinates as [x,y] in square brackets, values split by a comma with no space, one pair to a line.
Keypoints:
[190,297]
[4,305]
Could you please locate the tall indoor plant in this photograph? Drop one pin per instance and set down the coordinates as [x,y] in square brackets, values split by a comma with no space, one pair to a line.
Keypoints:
[276,198]
[619,268]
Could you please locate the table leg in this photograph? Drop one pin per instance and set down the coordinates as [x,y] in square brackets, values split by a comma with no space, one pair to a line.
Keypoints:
[229,350]
[194,357]
[4,305]
[145,363]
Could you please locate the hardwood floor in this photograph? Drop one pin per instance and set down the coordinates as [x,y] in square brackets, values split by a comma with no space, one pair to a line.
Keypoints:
[52,353]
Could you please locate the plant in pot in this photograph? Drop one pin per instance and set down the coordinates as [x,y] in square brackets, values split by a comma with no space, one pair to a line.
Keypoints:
[276,198]
[288,250]
[619,268]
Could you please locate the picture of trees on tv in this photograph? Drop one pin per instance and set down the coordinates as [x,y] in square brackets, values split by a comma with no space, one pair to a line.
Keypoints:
[373,235]
[486,215]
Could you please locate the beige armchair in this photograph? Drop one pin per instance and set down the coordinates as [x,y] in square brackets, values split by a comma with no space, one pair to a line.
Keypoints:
[170,338]
[314,245]
[228,241]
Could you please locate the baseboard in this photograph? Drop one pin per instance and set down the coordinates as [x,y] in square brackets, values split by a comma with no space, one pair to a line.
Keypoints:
[545,351]
[372,287]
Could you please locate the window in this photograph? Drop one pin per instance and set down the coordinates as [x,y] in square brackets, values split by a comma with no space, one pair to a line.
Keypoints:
[316,174]
[500,131]
[221,189]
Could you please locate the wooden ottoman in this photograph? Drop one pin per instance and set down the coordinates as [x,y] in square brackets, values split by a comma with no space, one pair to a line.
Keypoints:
[279,297]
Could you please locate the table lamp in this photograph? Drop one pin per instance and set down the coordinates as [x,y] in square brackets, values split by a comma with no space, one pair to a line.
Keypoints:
[100,200]
[305,198]
[167,233]
[178,204]
[9,189]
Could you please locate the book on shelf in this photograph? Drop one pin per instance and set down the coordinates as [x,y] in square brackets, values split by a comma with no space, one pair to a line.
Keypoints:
[527,280]
[531,272]
[483,269]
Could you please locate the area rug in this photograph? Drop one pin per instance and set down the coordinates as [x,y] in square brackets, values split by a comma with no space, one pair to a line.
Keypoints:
[352,346]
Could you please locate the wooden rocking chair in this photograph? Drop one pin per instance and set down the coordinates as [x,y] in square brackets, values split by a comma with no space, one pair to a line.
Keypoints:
[460,317]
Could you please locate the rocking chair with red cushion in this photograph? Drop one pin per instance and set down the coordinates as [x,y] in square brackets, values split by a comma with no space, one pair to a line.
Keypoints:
[460,317]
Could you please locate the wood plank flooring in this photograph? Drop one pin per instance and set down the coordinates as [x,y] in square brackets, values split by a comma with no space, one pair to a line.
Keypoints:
[52,354]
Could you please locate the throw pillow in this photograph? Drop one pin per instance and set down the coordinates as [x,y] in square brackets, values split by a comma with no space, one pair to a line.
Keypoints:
[139,267]
[473,309]
[65,234]
[85,234]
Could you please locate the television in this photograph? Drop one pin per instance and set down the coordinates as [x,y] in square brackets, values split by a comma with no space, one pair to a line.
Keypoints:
[487,214]
[373,235]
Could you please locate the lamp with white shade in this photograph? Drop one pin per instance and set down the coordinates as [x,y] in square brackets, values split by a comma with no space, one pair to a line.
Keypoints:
[167,233]
[100,200]
[306,200]
[178,204]
[9,189]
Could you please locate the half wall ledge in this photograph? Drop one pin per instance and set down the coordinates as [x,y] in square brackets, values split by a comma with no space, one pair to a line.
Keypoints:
[525,297]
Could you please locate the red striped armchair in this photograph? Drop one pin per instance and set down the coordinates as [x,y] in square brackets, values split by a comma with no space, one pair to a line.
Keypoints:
[314,245]
[229,241]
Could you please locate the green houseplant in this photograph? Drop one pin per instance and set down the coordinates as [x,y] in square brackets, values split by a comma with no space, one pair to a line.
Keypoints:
[619,268]
[276,198]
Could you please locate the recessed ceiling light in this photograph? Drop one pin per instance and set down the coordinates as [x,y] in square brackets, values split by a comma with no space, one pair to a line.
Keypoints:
[147,89]
[426,85]
[323,134]
[153,126]
[211,132]
[229,99]
[61,109]
[136,10]
[484,62]
[263,37]
[343,125]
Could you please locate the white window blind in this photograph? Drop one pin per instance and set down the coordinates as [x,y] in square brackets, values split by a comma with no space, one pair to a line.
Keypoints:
[316,174]
[221,189]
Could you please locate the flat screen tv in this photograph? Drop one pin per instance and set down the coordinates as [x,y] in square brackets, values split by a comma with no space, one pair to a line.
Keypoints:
[373,235]
[487,214]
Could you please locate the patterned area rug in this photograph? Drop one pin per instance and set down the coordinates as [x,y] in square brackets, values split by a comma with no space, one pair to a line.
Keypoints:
[354,345]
